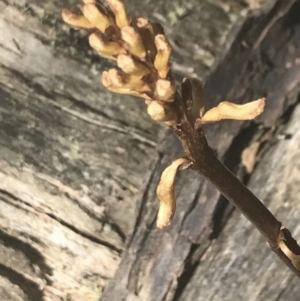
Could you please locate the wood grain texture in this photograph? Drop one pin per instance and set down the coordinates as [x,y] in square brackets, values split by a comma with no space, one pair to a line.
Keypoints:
[156,265]
[73,156]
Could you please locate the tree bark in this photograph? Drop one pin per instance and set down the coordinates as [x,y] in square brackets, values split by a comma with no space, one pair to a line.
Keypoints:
[79,165]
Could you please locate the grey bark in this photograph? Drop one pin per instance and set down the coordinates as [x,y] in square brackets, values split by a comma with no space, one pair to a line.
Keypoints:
[79,165]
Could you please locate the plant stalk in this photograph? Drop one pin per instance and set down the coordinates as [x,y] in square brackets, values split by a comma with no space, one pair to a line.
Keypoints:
[249,205]
[206,164]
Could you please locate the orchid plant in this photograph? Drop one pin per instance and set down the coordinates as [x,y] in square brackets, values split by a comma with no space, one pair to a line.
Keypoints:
[142,54]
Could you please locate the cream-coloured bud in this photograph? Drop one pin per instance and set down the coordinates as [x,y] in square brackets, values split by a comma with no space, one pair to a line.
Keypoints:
[165,90]
[119,10]
[229,110]
[106,49]
[131,66]
[89,1]
[165,193]
[76,20]
[161,112]
[97,17]
[124,80]
[162,58]
[119,82]
[144,23]
[133,41]
[146,31]
[157,111]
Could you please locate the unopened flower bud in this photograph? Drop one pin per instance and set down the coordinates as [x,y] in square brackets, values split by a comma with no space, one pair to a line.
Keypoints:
[229,110]
[76,20]
[122,83]
[131,66]
[119,10]
[146,31]
[165,90]
[165,193]
[133,41]
[162,59]
[94,14]
[161,112]
[106,49]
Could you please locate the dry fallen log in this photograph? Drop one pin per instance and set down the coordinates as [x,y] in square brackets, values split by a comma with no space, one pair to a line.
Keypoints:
[156,265]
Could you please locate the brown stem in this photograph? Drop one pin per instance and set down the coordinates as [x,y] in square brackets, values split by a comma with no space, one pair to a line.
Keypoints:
[249,205]
[241,197]
[205,163]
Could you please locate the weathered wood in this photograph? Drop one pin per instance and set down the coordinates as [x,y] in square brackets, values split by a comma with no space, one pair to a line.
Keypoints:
[73,156]
[68,169]
[156,265]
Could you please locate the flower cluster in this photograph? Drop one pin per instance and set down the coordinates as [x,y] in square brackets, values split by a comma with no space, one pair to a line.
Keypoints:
[140,49]
[142,54]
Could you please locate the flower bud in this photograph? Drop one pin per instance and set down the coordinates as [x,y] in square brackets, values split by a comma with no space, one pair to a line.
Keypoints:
[146,31]
[131,66]
[229,110]
[76,20]
[165,193]
[106,49]
[133,41]
[165,90]
[94,14]
[119,10]
[122,83]
[164,49]
[161,112]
